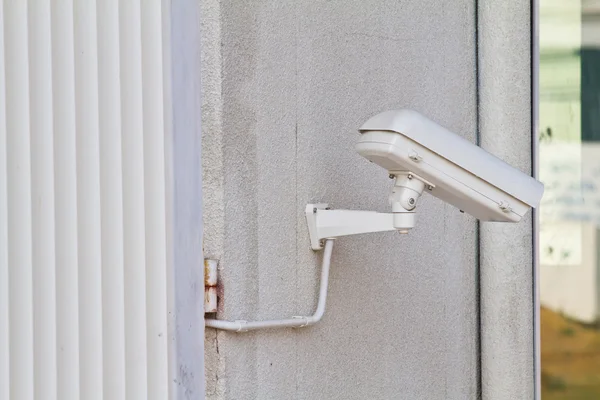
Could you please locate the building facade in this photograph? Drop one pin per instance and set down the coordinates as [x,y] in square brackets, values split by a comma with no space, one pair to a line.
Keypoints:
[445,312]
[139,138]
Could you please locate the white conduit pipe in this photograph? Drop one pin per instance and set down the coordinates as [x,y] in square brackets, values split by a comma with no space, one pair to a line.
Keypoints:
[293,322]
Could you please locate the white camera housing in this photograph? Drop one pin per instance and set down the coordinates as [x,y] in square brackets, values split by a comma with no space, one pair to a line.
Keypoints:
[458,172]
[422,156]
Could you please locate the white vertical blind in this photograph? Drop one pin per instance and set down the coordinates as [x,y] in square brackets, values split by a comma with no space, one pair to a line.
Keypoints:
[83,230]
[133,199]
[111,189]
[155,207]
[42,192]
[18,147]
[88,199]
[65,168]
[4,276]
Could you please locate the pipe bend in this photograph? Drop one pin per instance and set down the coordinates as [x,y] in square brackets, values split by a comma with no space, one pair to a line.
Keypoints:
[294,322]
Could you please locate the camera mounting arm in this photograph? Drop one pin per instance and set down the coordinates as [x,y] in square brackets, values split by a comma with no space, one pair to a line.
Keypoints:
[324,223]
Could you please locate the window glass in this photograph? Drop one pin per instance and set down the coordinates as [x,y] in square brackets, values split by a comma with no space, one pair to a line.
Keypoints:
[570,212]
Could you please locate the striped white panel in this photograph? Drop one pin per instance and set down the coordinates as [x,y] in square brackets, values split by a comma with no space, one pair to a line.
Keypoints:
[65,168]
[154,185]
[88,200]
[42,191]
[132,129]
[4,285]
[111,188]
[83,231]
[19,200]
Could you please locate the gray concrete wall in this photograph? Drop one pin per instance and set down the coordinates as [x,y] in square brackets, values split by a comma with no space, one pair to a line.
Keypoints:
[286,85]
[507,300]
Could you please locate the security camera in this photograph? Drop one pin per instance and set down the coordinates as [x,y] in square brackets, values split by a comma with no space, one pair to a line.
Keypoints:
[422,156]
[452,169]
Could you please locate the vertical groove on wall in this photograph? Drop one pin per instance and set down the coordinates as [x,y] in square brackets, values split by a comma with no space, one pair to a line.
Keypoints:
[19,200]
[477,223]
[88,200]
[65,167]
[4,284]
[507,329]
[133,199]
[42,191]
[535,62]
[477,133]
[154,185]
[83,229]
[111,188]
[172,340]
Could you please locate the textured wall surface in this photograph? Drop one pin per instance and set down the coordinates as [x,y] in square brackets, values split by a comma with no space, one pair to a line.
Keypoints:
[506,250]
[286,85]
